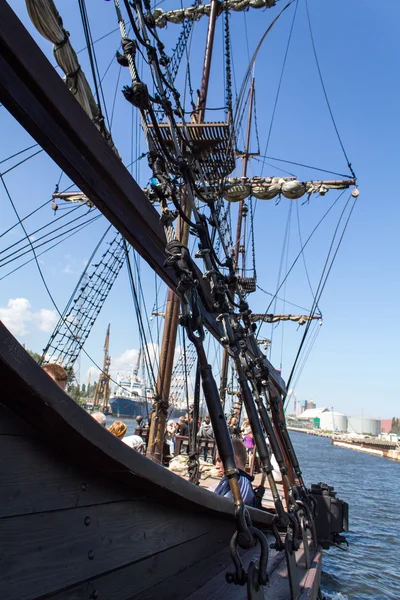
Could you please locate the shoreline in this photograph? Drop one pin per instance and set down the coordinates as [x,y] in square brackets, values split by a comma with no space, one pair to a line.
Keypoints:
[366,446]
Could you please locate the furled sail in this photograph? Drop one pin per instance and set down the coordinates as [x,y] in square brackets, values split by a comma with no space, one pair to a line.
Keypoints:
[47,20]
[194,13]
[267,188]
[269,318]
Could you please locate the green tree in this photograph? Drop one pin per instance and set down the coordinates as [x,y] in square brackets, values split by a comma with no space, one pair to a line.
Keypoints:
[395,426]
[35,355]
[74,392]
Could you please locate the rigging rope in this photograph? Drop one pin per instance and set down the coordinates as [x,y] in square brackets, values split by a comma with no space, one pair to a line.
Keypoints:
[18,153]
[284,249]
[136,258]
[280,79]
[139,318]
[43,278]
[300,253]
[322,283]
[36,245]
[85,304]
[303,255]
[78,230]
[297,164]
[93,64]
[22,162]
[43,227]
[325,92]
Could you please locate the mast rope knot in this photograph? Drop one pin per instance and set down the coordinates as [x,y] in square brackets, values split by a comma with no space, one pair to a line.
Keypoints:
[137,94]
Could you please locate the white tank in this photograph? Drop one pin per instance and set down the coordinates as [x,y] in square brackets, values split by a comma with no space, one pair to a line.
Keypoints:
[364,425]
[333,421]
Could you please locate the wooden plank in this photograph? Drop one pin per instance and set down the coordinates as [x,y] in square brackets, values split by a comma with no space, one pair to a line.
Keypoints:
[33,480]
[10,424]
[46,552]
[278,587]
[217,589]
[134,579]
[311,581]
[186,582]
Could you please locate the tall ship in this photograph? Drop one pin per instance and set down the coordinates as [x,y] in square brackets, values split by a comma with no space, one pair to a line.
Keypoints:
[168,181]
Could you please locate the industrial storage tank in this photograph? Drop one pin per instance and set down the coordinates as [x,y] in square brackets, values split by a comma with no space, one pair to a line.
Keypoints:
[364,425]
[333,421]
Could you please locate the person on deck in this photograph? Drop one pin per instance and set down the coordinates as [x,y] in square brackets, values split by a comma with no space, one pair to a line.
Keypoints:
[140,425]
[100,418]
[234,429]
[135,442]
[183,427]
[248,438]
[206,429]
[223,488]
[170,436]
[118,428]
[58,373]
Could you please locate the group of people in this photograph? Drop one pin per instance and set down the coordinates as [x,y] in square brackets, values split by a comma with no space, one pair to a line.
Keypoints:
[185,425]
[242,439]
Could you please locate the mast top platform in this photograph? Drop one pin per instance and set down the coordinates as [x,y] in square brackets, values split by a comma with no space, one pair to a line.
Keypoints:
[212,144]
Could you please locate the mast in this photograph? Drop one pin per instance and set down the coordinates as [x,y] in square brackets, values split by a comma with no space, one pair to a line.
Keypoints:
[167,352]
[205,78]
[102,393]
[241,216]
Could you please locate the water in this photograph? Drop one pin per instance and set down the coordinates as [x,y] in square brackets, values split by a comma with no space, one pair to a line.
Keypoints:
[370,570]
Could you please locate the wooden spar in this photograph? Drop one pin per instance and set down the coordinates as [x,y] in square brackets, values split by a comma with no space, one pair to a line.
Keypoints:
[166,363]
[167,352]
[205,78]
[225,357]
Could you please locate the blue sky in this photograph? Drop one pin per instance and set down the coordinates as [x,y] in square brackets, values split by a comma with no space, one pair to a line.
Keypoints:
[355,358]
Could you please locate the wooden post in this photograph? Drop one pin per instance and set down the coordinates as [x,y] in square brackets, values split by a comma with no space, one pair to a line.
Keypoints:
[163,386]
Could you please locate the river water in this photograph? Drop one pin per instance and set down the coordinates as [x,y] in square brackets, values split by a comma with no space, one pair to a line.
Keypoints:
[371,485]
[370,570]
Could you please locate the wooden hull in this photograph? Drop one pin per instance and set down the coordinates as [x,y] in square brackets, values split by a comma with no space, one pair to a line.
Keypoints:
[84,516]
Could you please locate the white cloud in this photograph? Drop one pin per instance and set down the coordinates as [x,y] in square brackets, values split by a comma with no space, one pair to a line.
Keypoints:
[123,364]
[125,361]
[45,319]
[94,374]
[18,317]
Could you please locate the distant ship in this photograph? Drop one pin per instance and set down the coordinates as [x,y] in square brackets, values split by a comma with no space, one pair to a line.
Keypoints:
[133,398]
